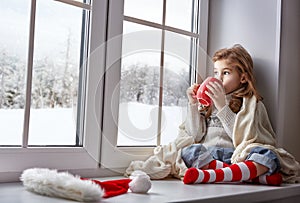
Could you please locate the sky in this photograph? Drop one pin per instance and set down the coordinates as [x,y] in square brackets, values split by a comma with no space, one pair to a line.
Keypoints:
[55,22]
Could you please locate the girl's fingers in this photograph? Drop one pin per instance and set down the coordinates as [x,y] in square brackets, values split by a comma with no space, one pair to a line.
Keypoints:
[215,87]
[211,88]
[211,95]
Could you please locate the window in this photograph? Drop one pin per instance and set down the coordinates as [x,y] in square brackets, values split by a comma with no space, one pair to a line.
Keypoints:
[160,48]
[43,68]
[44,84]
[13,53]
[156,67]
[71,78]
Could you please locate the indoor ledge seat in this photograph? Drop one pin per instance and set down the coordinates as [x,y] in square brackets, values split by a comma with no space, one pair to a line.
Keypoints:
[173,190]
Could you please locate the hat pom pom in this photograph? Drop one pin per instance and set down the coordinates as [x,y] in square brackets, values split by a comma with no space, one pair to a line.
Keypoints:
[140,182]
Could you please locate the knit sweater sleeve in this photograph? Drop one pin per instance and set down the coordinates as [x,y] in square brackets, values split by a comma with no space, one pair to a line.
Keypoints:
[195,124]
[227,118]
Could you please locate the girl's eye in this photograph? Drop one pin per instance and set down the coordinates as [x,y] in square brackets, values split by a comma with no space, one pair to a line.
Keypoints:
[226,73]
[216,73]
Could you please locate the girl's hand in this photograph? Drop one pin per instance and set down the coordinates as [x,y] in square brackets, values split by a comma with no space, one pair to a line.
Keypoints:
[217,94]
[191,93]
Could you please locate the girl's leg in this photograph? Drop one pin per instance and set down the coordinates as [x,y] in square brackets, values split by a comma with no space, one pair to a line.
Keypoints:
[236,172]
[215,164]
[260,169]
[221,157]
[265,158]
[242,171]
[196,155]
[274,179]
[221,154]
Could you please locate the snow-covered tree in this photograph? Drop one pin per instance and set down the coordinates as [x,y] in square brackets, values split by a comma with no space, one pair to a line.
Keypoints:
[140,83]
[12,79]
[51,87]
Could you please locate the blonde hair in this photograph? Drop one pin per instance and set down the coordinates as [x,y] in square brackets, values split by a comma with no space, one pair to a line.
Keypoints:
[239,58]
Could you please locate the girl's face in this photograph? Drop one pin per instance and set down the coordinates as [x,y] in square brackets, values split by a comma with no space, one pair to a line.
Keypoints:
[230,77]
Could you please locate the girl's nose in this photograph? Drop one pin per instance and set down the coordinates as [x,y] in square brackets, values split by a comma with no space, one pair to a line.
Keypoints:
[219,77]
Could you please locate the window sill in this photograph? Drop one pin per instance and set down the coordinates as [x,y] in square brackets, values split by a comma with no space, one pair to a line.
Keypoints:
[173,190]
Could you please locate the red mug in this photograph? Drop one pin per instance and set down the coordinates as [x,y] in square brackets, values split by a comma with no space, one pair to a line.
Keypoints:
[201,96]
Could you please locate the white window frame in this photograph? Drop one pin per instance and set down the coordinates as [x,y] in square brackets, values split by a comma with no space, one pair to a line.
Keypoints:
[99,155]
[78,159]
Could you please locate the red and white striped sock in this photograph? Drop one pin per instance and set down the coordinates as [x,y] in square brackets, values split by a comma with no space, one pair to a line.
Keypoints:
[216,164]
[236,172]
[273,179]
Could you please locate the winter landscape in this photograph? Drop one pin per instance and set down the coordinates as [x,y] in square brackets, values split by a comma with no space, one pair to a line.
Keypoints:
[56,76]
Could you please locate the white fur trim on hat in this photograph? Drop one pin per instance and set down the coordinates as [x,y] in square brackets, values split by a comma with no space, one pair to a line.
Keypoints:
[64,185]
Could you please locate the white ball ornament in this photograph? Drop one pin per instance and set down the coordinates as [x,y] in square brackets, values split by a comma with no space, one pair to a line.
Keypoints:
[140,182]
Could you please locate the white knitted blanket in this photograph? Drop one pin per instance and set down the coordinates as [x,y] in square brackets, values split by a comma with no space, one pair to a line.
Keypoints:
[166,159]
[252,128]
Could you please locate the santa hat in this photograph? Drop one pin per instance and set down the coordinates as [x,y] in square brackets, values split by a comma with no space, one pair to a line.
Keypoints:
[64,185]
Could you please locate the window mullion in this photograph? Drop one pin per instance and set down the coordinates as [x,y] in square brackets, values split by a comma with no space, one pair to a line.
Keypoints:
[194,43]
[83,74]
[161,82]
[160,26]
[29,74]
[76,3]
[202,29]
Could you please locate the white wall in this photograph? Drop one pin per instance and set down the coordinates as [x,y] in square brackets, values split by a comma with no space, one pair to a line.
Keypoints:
[256,25]
[289,80]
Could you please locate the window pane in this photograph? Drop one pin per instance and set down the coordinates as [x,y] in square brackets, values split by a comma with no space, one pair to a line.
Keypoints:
[14,18]
[179,14]
[139,86]
[55,74]
[176,81]
[150,10]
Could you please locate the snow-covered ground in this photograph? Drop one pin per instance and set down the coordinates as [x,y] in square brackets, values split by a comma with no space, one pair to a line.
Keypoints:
[137,125]
[47,127]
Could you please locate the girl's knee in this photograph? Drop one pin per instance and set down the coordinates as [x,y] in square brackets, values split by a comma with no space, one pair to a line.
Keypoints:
[195,155]
[265,157]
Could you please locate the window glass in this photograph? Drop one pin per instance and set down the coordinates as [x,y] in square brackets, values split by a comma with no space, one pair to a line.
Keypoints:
[139,85]
[14,18]
[172,69]
[179,14]
[176,81]
[55,74]
[150,10]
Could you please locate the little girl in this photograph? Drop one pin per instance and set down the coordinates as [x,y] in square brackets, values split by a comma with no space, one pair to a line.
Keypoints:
[236,139]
